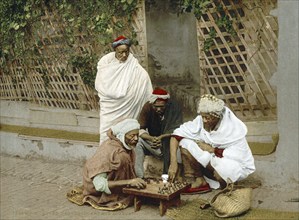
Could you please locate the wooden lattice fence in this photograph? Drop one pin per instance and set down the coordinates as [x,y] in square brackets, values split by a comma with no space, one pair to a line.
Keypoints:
[47,77]
[238,67]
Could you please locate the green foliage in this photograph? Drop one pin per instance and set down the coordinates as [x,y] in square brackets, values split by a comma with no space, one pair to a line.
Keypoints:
[16,18]
[224,21]
[98,20]
[209,42]
[96,16]
[86,65]
[200,7]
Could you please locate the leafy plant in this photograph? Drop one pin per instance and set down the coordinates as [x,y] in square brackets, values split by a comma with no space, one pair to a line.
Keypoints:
[199,8]
[209,42]
[86,66]
[16,18]
[97,20]
[224,21]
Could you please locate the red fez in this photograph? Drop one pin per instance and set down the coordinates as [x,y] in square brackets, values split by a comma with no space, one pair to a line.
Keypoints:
[160,92]
[120,38]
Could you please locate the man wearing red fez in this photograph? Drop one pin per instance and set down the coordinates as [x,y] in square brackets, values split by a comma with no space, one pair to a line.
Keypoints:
[123,86]
[158,119]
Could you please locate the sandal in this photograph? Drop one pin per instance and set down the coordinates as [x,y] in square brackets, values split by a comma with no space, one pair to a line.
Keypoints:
[198,190]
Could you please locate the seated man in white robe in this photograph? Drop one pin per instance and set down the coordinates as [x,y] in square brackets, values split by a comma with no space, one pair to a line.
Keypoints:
[213,146]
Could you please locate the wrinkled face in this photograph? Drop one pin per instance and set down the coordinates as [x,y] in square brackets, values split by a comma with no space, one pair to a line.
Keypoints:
[209,121]
[159,107]
[131,138]
[122,52]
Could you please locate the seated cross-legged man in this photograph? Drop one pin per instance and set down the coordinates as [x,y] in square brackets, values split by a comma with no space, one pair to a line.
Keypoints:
[158,118]
[213,146]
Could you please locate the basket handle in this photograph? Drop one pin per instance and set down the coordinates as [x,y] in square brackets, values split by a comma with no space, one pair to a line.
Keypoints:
[229,186]
[228,189]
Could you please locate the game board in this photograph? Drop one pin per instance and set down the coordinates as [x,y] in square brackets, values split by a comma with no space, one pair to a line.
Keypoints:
[167,193]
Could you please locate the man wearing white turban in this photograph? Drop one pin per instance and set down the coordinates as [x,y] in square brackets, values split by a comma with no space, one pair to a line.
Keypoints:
[213,147]
[112,168]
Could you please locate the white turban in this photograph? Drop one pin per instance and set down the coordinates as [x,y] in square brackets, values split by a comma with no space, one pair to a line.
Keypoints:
[210,104]
[123,127]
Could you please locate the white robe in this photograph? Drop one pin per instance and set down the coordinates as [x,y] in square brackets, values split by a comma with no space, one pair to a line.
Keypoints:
[123,88]
[237,161]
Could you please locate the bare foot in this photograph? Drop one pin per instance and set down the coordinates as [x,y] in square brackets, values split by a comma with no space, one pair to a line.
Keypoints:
[199,181]
[220,180]
[189,179]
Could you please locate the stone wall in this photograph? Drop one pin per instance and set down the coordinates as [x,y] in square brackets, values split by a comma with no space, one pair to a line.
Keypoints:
[31,115]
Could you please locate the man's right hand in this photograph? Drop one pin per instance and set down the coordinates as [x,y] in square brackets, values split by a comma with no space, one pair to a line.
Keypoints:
[137,183]
[173,168]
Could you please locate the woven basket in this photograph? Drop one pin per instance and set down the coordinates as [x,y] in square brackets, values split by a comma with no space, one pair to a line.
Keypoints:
[231,201]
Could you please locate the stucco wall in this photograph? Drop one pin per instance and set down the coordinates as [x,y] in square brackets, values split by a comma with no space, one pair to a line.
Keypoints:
[172,40]
[282,168]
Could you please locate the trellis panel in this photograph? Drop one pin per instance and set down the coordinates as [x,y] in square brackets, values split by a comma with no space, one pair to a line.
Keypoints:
[47,78]
[238,68]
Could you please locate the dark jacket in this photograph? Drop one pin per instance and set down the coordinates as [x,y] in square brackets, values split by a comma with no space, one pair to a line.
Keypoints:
[150,120]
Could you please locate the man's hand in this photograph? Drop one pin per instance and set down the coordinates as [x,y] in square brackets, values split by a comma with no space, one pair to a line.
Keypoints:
[173,168]
[205,147]
[156,142]
[137,183]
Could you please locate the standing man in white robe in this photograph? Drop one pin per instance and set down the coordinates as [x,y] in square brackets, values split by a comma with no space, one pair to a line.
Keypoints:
[213,147]
[123,86]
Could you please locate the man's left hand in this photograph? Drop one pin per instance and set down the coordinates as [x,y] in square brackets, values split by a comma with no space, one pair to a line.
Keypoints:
[156,142]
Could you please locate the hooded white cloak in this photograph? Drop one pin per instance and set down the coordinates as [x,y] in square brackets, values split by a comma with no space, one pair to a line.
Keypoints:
[237,161]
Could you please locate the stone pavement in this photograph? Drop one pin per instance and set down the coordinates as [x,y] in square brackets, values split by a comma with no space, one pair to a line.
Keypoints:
[35,188]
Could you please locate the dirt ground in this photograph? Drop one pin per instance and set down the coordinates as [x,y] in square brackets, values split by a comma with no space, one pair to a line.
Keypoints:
[35,188]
